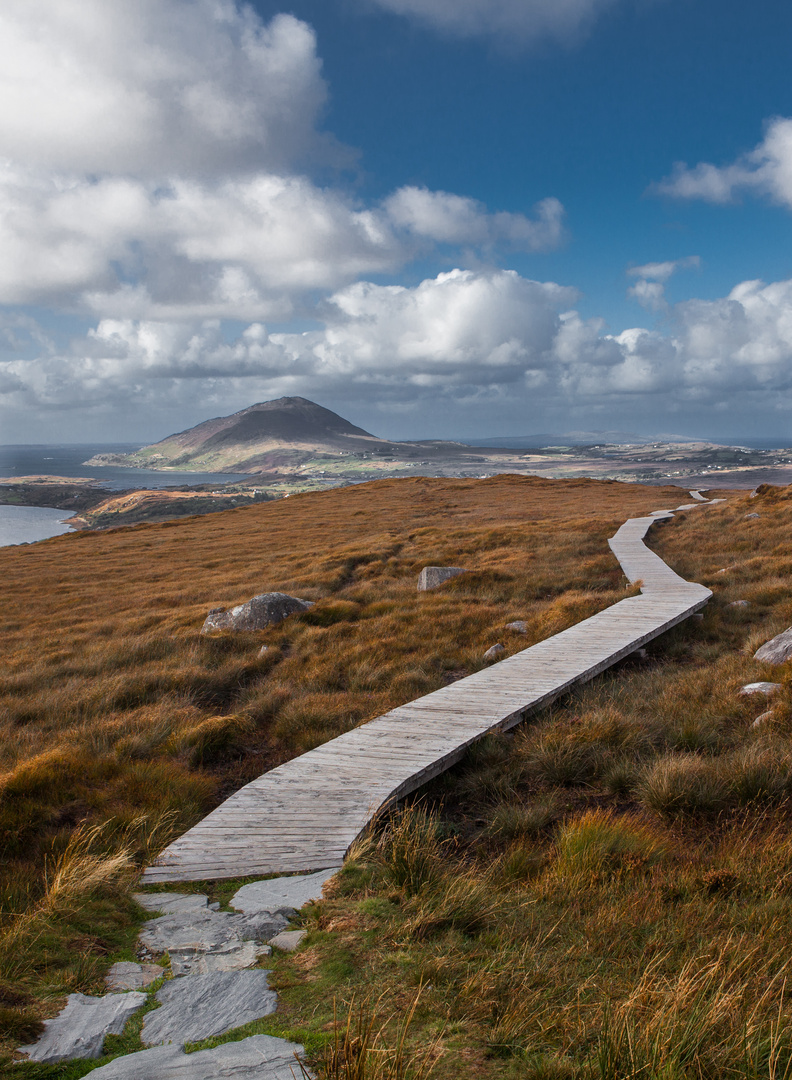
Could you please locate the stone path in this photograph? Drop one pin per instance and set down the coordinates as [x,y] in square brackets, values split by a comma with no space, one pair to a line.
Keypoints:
[215,988]
[305,814]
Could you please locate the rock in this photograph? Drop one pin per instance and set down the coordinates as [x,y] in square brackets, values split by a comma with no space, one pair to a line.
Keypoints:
[260,1057]
[749,517]
[262,652]
[206,1005]
[766,688]
[754,494]
[777,650]
[519,627]
[79,1030]
[495,652]
[232,956]
[257,614]
[128,976]
[432,576]
[205,930]
[288,940]
[739,603]
[763,718]
[279,893]
[170,902]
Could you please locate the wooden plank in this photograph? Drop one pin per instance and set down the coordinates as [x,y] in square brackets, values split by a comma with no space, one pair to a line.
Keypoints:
[304,814]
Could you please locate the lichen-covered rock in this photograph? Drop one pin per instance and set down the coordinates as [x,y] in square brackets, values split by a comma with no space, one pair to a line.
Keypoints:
[260,1057]
[262,611]
[777,650]
[432,576]
[79,1030]
[201,1006]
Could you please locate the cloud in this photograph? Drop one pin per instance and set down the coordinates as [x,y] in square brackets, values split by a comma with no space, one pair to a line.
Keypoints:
[765,170]
[524,20]
[650,290]
[156,87]
[454,219]
[461,337]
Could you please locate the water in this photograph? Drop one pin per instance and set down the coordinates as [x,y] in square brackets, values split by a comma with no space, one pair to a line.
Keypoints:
[26,524]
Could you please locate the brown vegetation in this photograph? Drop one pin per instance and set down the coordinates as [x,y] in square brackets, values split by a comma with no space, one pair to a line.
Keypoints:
[114,709]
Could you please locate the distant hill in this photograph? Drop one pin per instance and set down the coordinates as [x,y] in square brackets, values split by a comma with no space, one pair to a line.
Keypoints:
[267,437]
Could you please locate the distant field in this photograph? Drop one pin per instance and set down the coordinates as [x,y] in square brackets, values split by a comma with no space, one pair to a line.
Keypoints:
[115,712]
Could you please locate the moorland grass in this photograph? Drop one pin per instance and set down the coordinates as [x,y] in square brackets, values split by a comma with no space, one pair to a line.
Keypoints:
[116,712]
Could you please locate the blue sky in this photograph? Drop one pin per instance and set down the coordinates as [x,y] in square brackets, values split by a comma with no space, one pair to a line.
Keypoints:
[440,217]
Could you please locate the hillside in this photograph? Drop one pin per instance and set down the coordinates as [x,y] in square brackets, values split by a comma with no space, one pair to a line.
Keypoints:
[609,884]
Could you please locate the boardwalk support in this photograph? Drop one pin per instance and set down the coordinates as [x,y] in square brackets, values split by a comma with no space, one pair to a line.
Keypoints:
[305,814]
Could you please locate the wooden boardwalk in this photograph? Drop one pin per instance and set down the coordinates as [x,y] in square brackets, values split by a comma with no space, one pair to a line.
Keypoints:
[304,815]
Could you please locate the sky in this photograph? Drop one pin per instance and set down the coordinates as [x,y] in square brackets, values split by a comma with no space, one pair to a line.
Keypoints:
[441,218]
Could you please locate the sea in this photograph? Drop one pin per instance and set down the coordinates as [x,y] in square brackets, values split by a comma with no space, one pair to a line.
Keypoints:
[27,524]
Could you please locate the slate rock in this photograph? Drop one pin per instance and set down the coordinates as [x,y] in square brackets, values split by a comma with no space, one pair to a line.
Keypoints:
[260,1057]
[766,688]
[432,576]
[288,940]
[79,1030]
[128,976]
[277,894]
[167,903]
[519,627]
[207,929]
[495,652]
[262,611]
[232,956]
[777,650]
[201,1006]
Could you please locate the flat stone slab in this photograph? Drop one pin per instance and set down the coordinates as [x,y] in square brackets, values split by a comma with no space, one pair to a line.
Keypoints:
[777,650]
[260,1057]
[284,892]
[766,688]
[128,976]
[233,956]
[201,1006]
[169,903]
[288,941]
[432,576]
[79,1030]
[205,930]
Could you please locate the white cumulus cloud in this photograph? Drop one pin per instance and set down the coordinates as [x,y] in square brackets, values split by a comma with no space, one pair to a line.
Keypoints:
[649,291]
[155,87]
[765,170]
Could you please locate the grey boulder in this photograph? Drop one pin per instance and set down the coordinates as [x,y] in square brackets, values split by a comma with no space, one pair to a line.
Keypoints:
[232,956]
[79,1030]
[284,892]
[432,576]
[204,930]
[777,650]
[519,627]
[749,517]
[201,1006]
[168,903]
[257,614]
[495,652]
[261,1057]
[128,976]
[739,603]
[766,688]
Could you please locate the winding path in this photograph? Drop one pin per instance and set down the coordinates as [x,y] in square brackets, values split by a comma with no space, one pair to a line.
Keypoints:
[305,814]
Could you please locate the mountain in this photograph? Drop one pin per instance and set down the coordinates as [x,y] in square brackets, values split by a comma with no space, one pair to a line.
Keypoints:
[267,437]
